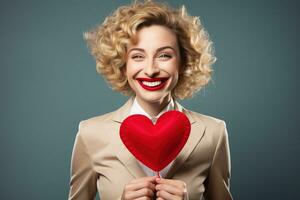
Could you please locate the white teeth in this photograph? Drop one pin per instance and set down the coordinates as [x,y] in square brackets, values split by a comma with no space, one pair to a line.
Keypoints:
[151,84]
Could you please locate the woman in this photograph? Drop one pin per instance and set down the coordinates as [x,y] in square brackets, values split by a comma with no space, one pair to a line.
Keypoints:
[154,54]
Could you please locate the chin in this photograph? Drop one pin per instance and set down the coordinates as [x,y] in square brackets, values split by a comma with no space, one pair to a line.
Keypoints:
[153,98]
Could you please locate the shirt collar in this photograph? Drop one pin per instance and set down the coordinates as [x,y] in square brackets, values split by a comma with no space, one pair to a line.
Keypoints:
[137,109]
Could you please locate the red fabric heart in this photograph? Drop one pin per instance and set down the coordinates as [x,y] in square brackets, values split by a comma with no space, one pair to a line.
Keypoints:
[155,145]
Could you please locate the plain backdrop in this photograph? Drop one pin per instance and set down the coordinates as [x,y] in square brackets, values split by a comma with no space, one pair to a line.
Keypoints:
[49,84]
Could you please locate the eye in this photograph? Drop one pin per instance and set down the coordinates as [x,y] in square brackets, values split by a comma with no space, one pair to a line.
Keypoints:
[165,56]
[137,57]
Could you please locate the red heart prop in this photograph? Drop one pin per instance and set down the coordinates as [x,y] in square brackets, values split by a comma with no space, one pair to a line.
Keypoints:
[155,145]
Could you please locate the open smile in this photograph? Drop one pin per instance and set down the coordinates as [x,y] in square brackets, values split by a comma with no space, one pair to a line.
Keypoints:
[152,84]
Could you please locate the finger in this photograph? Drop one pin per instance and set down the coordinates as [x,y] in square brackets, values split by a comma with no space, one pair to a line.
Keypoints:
[144,198]
[142,193]
[176,183]
[170,189]
[166,196]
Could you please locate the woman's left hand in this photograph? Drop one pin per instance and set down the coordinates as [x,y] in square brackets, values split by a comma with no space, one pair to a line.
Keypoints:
[169,189]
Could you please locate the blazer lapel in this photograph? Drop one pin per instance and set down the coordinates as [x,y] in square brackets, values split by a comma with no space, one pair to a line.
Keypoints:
[125,157]
[196,134]
[130,162]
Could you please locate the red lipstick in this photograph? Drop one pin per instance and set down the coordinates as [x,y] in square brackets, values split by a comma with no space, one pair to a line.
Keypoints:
[149,83]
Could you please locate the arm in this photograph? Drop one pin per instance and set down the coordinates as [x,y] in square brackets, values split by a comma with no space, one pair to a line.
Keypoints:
[217,187]
[83,177]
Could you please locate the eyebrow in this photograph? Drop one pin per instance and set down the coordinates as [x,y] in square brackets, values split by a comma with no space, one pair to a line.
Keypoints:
[159,49]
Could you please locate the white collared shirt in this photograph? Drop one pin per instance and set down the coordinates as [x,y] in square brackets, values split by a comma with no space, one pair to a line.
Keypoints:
[137,109]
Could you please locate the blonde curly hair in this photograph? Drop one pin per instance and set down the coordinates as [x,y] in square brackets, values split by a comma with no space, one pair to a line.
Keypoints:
[108,44]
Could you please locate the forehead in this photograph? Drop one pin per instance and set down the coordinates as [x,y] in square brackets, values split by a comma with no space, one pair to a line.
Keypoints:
[155,36]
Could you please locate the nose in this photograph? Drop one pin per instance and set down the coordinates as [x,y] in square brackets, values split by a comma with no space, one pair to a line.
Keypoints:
[151,69]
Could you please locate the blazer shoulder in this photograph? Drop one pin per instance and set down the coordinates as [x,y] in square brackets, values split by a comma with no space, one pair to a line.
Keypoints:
[207,120]
[214,128]
[94,128]
[96,121]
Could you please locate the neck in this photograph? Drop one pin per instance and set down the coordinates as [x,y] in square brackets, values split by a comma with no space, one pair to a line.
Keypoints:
[154,108]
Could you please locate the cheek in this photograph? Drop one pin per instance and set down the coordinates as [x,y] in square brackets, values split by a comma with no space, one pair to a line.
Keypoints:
[175,80]
[128,70]
[133,69]
[173,70]
[129,73]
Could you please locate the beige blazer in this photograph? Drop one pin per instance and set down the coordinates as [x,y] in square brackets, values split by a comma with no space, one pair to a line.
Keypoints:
[100,161]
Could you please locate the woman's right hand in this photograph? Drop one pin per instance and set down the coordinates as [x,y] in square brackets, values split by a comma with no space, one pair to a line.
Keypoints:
[141,188]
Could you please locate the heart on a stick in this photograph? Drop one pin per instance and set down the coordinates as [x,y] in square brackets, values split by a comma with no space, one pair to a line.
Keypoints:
[155,145]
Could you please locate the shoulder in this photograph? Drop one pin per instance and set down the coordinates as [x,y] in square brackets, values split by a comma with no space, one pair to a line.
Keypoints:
[209,121]
[94,130]
[214,127]
[95,122]
[215,131]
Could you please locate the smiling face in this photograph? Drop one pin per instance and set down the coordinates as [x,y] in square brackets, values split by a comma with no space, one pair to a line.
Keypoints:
[152,64]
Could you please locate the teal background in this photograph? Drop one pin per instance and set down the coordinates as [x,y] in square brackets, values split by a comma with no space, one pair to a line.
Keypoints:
[49,84]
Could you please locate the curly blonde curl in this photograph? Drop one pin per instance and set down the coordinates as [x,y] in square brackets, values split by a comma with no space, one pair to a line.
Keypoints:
[108,44]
